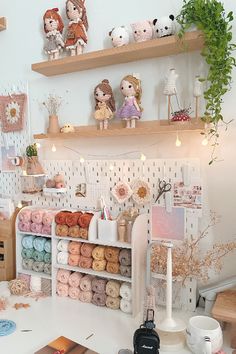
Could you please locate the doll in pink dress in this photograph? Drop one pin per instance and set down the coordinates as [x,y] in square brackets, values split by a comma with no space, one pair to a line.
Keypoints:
[131,111]
[105,104]
[76,38]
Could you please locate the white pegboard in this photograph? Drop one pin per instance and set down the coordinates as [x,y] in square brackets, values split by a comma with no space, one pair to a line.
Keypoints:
[100,179]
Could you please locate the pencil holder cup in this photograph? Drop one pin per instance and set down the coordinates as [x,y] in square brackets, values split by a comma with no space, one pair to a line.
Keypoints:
[107,230]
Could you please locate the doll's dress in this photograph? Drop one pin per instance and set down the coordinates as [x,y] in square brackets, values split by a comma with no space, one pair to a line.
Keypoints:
[55,42]
[128,110]
[103,112]
[76,35]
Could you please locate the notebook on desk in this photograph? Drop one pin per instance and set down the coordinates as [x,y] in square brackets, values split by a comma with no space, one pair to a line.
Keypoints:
[63,345]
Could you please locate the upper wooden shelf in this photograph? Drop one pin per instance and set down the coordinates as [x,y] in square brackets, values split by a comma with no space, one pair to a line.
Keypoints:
[3,23]
[117,129]
[132,52]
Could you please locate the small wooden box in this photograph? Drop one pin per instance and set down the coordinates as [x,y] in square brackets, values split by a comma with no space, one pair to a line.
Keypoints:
[8,248]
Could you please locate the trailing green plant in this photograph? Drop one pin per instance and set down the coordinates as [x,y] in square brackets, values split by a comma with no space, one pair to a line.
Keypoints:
[209,16]
[32,150]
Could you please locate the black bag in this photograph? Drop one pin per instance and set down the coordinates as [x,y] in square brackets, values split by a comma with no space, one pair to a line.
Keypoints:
[146,340]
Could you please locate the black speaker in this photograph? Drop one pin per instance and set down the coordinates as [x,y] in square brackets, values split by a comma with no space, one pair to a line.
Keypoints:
[146,340]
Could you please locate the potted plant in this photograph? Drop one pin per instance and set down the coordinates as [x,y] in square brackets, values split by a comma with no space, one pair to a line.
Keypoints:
[33,166]
[210,18]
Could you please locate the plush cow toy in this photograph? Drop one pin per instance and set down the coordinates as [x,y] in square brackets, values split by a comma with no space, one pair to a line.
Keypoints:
[164,27]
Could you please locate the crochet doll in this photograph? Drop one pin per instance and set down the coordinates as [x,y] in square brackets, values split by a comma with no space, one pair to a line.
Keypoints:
[76,38]
[131,111]
[105,104]
[53,27]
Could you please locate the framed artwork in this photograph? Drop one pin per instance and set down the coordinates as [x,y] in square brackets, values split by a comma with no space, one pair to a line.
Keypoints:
[167,226]
[6,165]
[12,112]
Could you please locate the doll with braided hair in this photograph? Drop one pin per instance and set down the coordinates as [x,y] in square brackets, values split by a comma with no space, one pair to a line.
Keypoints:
[131,110]
[76,38]
[105,104]
[53,27]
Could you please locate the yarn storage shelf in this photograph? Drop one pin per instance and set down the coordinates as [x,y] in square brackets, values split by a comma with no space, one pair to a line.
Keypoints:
[93,272]
[19,259]
[154,48]
[98,242]
[3,23]
[33,234]
[138,249]
[143,128]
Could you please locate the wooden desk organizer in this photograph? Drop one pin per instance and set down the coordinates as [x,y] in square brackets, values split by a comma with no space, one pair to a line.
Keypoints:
[8,248]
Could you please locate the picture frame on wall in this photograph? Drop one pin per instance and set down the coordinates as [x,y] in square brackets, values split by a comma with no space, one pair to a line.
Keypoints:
[166,225]
[6,153]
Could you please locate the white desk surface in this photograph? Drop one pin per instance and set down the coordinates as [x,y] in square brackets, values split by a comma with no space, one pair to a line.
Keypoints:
[50,318]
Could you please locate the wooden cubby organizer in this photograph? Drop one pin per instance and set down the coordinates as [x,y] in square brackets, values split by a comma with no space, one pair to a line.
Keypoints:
[3,23]
[138,248]
[117,129]
[154,48]
[8,248]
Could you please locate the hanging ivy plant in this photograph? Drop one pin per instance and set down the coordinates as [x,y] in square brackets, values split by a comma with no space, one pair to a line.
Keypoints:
[209,16]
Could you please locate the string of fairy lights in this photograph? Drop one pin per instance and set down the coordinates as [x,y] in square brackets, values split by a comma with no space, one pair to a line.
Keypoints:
[138,153]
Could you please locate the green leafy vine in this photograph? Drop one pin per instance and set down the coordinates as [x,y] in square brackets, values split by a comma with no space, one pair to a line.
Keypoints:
[209,17]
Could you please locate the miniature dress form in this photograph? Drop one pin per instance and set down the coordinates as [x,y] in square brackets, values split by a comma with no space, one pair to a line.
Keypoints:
[197,93]
[131,110]
[105,104]
[76,38]
[170,86]
[53,27]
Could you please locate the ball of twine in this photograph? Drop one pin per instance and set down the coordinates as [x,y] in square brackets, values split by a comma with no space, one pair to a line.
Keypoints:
[18,286]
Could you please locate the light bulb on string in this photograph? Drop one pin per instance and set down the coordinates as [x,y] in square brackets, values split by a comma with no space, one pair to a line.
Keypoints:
[178,142]
[54,149]
[205,141]
[19,205]
[111,167]
[82,160]
[143,157]
[38,145]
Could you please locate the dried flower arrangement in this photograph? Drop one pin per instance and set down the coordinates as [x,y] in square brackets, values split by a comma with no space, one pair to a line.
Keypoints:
[188,258]
[53,104]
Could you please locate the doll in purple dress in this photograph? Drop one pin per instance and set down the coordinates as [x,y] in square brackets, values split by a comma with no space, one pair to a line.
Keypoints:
[131,110]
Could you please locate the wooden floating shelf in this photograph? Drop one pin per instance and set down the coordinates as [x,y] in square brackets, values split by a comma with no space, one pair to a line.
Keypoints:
[132,52]
[3,23]
[117,129]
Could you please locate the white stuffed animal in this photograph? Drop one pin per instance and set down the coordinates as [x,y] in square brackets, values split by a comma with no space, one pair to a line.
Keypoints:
[67,128]
[164,27]
[119,36]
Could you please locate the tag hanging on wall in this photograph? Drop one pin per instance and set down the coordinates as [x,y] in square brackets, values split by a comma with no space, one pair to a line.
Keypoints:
[141,192]
[12,112]
[121,192]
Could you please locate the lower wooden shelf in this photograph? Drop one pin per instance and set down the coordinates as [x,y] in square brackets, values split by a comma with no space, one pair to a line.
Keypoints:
[117,129]
[95,273]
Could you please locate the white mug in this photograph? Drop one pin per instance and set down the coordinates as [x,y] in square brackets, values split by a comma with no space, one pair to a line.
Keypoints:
[204,335]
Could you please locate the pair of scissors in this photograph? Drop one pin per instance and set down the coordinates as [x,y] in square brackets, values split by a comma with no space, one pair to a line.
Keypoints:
[163,188]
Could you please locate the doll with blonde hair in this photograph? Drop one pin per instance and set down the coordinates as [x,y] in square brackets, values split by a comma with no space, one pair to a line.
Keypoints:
[53,27]
[76,38]
[105,104]
[131,110]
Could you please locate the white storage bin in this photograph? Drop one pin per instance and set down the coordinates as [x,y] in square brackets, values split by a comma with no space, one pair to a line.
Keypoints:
[107,230]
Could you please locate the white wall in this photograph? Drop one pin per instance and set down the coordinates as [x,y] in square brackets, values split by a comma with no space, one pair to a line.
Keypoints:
[22,43]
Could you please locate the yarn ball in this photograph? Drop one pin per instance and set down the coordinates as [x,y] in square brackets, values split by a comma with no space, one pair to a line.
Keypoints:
[18,286]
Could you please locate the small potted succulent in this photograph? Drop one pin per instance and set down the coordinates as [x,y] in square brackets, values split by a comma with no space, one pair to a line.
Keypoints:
[33,166]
